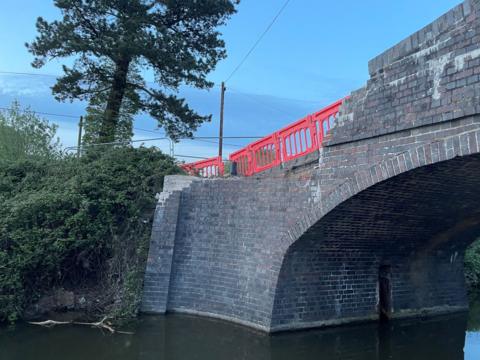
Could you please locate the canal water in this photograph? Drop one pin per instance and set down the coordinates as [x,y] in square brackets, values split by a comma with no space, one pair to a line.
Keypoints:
[179,337]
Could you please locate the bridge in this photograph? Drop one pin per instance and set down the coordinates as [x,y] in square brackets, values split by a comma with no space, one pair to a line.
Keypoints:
[372,218]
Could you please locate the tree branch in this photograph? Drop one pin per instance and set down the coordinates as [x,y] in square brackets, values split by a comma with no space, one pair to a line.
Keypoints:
[102,324]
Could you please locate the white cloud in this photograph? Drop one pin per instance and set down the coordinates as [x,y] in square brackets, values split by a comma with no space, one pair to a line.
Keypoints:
[68,133]
[187,150]
[17,86]
[184,150]
[246,114]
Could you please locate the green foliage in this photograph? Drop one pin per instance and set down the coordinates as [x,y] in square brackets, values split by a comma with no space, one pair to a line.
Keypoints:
[114,41]
[78,222]
[25,135]
[93,121]
[472,265]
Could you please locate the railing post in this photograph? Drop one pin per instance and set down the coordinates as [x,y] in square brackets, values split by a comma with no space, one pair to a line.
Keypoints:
[313,132]
[254,160]
[278,159]
[250,157]
[221,166]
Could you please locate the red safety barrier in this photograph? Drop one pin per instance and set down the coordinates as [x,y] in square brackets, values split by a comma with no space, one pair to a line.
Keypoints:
[243,160]
[293,141]
[298,139]
[324,120]
[265,153]
[205,168]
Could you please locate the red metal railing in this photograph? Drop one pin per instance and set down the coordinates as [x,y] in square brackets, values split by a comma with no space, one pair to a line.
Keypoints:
[324,120]
[243,159]
[293,141]
[298,139]
[265,153]
[205,168]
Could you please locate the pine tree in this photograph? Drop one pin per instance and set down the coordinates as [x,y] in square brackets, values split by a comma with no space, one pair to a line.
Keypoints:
[116,42]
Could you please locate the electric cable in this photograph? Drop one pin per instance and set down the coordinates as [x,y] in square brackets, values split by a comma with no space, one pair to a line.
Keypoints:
[258,41]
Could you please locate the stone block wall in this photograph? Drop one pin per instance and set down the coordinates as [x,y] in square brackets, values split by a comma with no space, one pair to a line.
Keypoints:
[418,223]
[224,262]
[431,77]
[395,184]
[422,90]
[164,228]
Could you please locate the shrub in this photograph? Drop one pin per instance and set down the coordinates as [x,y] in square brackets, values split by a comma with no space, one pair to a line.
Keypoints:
[78,222]
[23,134]
[472,266]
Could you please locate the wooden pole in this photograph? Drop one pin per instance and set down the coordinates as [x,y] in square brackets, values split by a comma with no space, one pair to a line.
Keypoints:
[222,107]
[79,144]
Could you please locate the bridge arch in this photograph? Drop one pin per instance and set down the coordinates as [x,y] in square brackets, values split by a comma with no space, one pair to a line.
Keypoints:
[413,214]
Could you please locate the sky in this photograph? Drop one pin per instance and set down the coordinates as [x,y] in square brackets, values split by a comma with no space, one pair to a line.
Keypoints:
[316,53]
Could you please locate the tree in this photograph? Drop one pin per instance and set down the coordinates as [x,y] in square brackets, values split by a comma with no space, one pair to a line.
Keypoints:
[116,42]
[23,134]
[93,121]
[123,131]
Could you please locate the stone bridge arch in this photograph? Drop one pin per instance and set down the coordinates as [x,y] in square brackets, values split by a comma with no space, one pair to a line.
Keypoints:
[414,213]
[395,186]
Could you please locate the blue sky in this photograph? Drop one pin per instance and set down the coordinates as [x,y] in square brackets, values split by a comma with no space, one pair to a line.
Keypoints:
[316,53]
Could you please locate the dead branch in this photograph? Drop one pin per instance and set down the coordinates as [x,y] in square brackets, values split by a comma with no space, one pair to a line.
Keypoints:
[102,324]
[49,323]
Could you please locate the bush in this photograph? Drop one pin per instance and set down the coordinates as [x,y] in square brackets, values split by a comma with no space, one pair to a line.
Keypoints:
[23,134]
[472,266]
[78,222]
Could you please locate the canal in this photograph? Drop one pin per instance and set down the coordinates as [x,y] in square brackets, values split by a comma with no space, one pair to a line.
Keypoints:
[180,337]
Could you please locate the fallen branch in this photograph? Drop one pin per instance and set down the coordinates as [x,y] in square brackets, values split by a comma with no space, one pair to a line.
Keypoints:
[102,324]
[49,323]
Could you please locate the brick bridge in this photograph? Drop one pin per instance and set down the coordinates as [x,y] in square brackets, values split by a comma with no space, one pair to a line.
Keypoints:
[373,224]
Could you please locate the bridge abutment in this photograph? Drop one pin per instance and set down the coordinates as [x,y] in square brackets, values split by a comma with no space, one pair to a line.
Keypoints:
[328,282]
[394,186]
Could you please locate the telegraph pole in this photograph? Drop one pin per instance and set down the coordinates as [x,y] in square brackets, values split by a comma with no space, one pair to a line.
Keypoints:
[222,106]
[80,127]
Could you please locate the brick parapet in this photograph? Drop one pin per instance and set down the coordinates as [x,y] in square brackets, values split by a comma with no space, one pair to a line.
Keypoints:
[431,77]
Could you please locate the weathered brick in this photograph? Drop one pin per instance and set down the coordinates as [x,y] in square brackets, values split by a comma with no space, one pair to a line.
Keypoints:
[302,245]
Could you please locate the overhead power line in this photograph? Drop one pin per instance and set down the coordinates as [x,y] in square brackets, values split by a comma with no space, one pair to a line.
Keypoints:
[258,40]
[43,113]
[212,142]
[27,73]
[202,139]
[67,116]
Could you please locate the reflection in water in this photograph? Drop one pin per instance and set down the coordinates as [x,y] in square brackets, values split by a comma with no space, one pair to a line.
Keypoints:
[182,337]
[474,316]
[472,337]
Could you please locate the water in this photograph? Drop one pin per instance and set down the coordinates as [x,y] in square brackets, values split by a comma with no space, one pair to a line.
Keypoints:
[178,337]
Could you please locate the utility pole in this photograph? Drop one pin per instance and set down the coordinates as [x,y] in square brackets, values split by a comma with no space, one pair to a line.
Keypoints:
[222,106]
[80,127]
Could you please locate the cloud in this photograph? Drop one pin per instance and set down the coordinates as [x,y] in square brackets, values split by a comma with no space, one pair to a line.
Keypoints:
[246,114]
[188,150]
[67,132]
[19,86]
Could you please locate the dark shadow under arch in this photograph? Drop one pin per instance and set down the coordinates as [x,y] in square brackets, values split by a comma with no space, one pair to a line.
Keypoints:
[418,223]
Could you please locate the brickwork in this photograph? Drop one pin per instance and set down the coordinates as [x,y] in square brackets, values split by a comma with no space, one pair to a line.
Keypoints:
[223,247]
[430,77]
[159,263]
[419,223]
[395,184]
